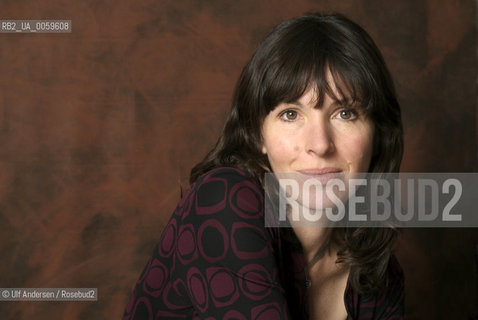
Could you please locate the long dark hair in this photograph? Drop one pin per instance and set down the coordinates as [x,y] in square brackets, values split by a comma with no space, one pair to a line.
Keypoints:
[297,53]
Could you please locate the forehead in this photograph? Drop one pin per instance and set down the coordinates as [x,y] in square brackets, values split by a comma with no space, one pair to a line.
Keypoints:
[334,89]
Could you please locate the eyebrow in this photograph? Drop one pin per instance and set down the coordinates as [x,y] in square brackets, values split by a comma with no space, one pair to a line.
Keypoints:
[335,103]
[349,103]
[344,103]
[297,103]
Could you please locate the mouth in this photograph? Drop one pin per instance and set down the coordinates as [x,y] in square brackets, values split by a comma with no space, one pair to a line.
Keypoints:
[323,175]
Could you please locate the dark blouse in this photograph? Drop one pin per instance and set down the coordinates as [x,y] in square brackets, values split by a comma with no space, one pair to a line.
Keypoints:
[216,260]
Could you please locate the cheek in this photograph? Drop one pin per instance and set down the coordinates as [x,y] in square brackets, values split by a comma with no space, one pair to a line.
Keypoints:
[280,152]
[275,149]
[281,144]
[358,150]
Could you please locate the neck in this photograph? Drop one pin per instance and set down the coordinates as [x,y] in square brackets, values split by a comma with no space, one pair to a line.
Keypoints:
[314,241]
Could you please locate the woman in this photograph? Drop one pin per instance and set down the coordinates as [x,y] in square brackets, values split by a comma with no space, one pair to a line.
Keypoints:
[315,98]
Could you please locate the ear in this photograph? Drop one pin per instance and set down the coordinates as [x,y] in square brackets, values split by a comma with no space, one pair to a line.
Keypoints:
[264,149]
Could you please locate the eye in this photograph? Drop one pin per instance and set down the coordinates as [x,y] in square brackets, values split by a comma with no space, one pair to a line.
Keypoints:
[289,115]
[347,114]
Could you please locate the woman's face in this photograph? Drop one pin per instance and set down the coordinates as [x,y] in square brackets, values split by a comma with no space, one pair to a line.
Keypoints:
[317,141]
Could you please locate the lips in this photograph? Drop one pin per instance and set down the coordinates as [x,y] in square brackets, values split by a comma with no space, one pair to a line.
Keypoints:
[323,174]
[319,171]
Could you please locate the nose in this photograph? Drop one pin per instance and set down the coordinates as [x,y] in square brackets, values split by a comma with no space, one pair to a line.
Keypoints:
[319,137]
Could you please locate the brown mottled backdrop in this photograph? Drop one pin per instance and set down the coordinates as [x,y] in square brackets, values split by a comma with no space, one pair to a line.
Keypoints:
[99,129]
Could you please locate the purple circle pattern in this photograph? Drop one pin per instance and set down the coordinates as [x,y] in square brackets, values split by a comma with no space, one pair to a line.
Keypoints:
[214,208]
[156,276]
[240,233]
[187,248]
[255,281]
[167,243]
[214,259]
[234,315]
[245,200]
[144,303]
[210,226]
[198,288]
[171,297]
[223,286]
[267,312]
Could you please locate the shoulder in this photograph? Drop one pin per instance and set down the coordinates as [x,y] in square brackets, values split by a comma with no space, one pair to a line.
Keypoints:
[225,212]
[228,185]
[385,304]
[225,173]
[225,189]
[390,302]
[393,298]
[395,273]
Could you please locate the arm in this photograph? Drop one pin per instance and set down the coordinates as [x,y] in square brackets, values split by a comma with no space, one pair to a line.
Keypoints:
[235,271]
[215,258]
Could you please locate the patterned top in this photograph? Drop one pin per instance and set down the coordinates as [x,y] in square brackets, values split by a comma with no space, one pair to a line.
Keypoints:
[216,260]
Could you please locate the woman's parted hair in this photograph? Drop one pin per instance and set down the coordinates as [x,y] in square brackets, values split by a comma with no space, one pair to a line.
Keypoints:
[298,54]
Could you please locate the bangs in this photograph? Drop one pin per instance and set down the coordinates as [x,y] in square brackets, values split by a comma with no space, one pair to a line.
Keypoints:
[328,77]
[330,67]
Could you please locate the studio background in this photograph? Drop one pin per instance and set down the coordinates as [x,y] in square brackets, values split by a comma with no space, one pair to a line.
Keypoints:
[99,129]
